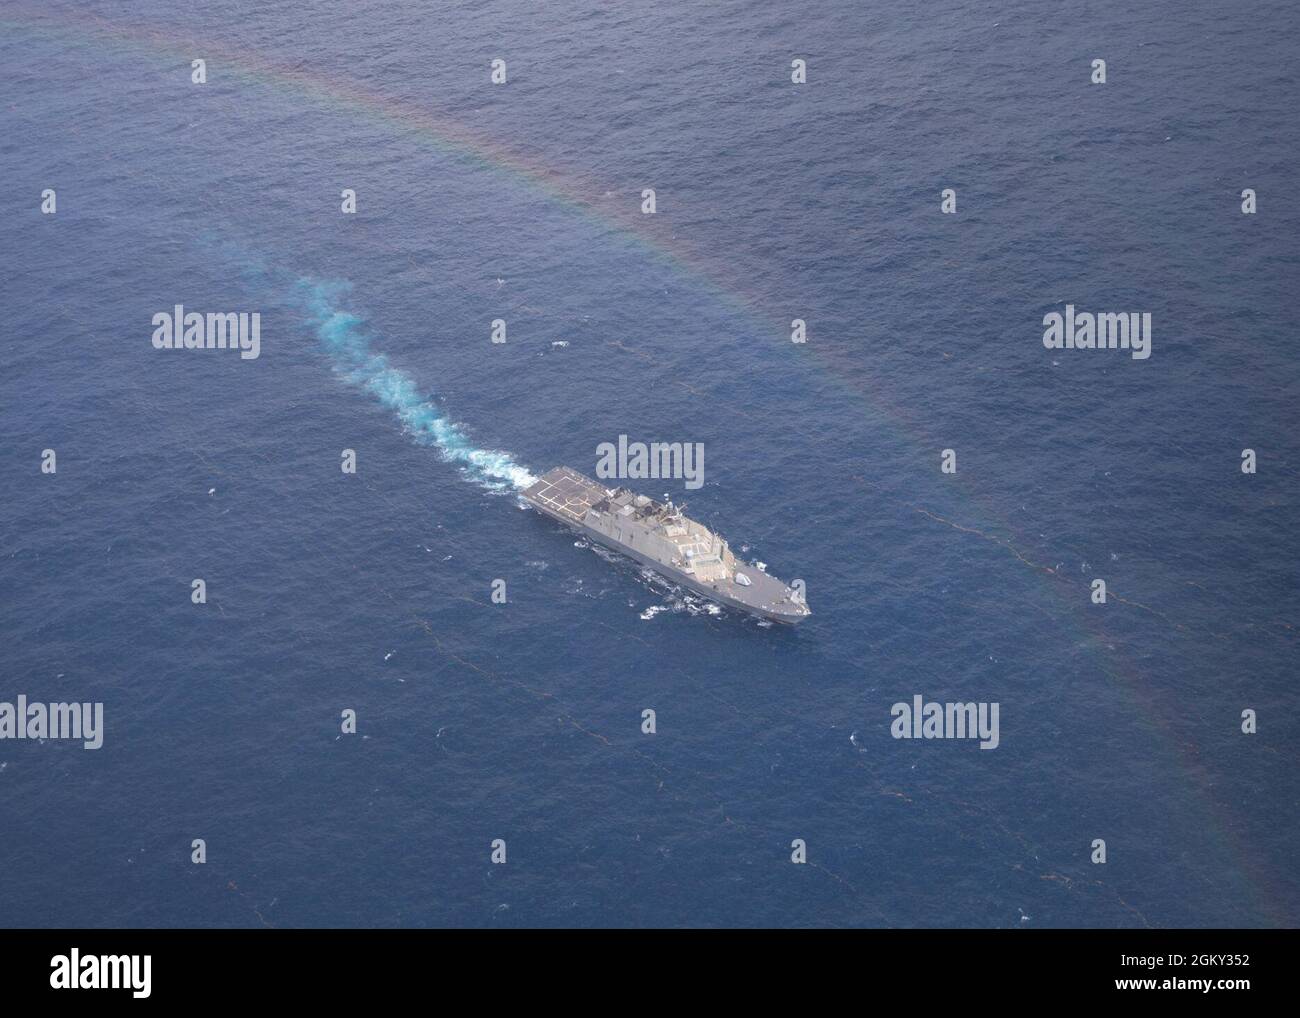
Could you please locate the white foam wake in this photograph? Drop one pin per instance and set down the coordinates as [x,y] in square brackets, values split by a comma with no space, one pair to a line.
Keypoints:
[348,344]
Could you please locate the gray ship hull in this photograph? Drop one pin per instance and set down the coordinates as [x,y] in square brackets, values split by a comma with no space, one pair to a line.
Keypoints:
[660,538]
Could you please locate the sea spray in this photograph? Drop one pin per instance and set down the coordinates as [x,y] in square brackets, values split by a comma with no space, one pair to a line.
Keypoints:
[347,343]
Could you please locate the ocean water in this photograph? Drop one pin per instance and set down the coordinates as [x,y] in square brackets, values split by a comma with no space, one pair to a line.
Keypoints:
[521,721]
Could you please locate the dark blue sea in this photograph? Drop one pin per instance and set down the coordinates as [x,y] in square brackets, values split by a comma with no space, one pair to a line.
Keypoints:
[372,592]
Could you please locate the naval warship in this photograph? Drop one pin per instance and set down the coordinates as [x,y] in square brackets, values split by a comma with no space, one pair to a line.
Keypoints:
[659,536]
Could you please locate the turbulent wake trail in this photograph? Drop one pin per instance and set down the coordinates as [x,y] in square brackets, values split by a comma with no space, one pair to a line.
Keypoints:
[348,344]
